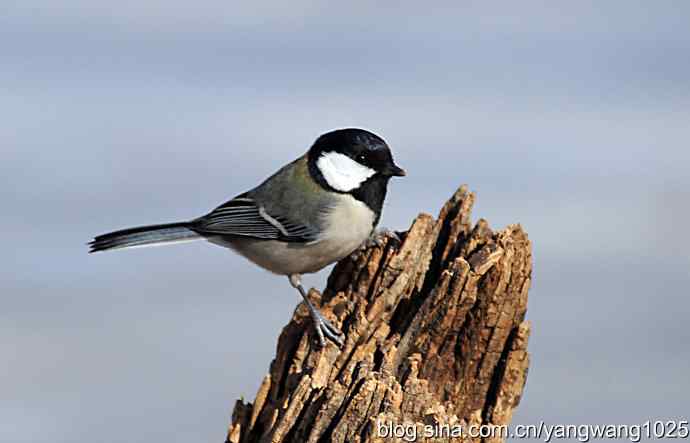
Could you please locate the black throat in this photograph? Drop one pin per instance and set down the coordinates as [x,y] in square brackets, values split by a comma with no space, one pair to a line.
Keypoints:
[372,193]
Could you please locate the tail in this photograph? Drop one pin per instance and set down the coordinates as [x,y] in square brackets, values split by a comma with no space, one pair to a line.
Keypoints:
[144,236]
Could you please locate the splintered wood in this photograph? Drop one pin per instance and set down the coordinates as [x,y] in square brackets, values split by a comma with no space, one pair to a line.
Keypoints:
[435,340]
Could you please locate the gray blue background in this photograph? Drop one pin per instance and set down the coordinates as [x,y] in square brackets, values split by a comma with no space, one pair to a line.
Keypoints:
[572,118]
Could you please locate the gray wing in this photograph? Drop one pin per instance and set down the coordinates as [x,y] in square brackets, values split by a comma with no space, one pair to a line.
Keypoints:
[244,217]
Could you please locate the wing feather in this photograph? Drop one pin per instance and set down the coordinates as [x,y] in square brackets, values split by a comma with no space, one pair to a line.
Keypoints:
[243,217]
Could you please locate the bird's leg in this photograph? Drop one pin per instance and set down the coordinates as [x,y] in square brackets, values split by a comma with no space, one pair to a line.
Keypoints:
[323,327]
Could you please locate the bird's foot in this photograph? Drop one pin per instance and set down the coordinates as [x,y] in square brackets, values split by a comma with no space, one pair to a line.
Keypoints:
[325,329]
[379,236]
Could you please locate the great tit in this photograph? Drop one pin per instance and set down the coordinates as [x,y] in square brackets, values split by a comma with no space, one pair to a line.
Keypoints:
[313,212]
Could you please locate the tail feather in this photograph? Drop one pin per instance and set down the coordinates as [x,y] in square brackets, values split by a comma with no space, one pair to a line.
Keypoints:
[143,236]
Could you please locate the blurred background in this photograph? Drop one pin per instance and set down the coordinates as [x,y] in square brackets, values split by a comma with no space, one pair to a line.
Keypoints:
[572,119]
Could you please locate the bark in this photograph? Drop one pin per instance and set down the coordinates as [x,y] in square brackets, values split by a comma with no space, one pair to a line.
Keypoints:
[435,335]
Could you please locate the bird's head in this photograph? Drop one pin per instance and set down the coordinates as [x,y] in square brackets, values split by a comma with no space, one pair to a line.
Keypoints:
[346,159]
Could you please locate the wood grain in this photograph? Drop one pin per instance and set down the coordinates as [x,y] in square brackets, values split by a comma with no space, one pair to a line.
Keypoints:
[435,335]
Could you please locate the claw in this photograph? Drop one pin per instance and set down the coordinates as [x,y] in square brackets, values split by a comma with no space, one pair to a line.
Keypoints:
[324,329]
[379,236]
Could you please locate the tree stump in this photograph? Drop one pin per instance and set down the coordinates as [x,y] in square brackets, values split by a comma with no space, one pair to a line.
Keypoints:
[435,341]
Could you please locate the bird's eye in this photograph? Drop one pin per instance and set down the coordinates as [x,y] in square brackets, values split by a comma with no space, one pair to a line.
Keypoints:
[361,158]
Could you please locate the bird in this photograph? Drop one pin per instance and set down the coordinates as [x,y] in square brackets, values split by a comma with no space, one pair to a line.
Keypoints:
[312,212]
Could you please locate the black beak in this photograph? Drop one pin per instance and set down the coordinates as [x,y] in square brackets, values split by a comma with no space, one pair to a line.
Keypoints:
[394,171]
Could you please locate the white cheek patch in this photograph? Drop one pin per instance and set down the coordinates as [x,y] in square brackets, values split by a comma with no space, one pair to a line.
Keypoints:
[341,172]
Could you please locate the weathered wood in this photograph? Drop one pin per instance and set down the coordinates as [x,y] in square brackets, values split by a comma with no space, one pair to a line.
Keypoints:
[435,335]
